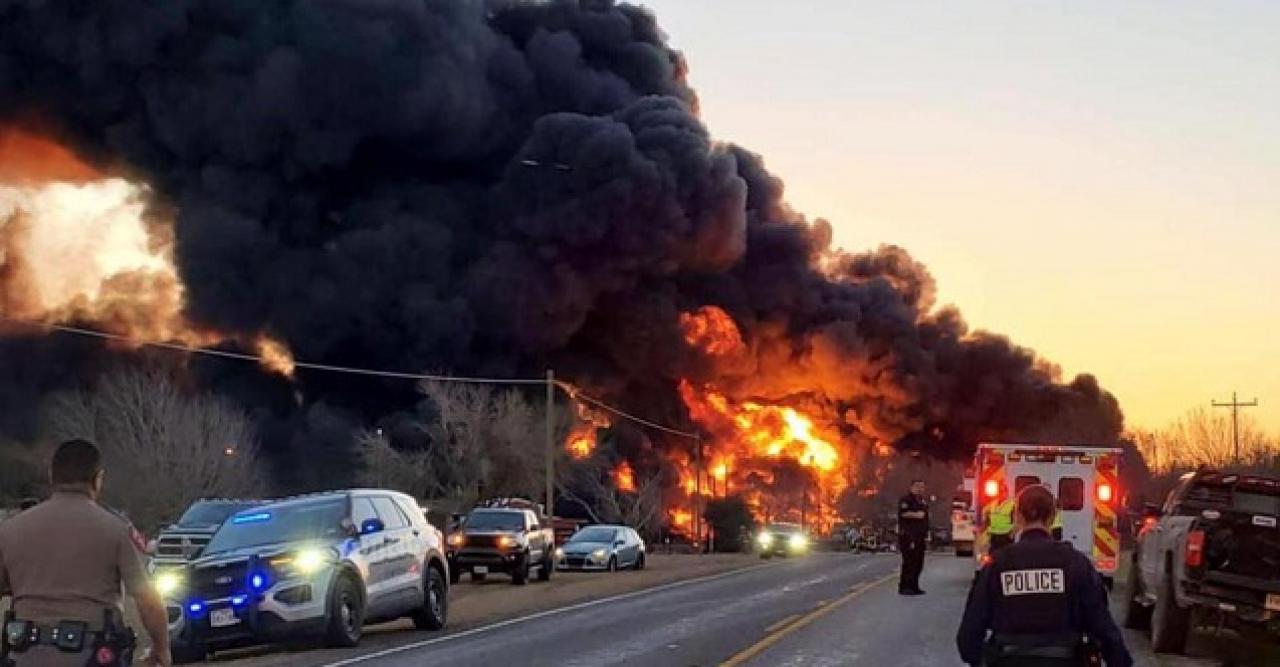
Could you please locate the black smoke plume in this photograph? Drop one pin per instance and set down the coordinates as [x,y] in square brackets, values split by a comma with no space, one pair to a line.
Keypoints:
[489,187]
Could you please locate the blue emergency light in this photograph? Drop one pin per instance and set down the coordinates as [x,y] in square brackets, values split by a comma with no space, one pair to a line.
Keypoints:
[256,517]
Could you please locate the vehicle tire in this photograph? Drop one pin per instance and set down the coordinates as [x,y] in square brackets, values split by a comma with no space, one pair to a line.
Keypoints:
[1136,616]
[1169,622]
[477,576]
[520,573]
[185,654]
[548,566]
[434,612]
[346,613]
[639,562]
[613,564]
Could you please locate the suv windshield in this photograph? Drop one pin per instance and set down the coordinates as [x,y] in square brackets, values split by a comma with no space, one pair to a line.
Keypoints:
[594,534]
[782,528]
[490,520]
[210,513]
[273,524]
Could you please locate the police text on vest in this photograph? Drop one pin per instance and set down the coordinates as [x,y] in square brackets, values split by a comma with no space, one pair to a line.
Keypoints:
[1031,582]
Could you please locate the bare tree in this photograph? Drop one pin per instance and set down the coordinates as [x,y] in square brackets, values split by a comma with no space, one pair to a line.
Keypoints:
[592,485]
[1204,437]
[163,447]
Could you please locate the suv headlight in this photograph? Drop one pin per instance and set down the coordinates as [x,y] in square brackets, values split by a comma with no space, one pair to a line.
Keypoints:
[166,583]
[765,539]
[304,562]
[798,542]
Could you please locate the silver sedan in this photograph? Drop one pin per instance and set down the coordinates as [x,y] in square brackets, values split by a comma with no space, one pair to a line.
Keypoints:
[602,547]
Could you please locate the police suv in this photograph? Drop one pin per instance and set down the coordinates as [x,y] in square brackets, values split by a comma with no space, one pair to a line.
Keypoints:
[319,565]
[1083,478]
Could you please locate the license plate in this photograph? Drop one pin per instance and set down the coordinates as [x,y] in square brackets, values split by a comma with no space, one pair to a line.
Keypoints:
[221,618]
[1273,601]
[480,569]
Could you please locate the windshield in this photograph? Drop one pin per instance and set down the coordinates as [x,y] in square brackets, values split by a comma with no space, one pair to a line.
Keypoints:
[595,534]
[508,521]
[204,513]
[782,528]
[281,523]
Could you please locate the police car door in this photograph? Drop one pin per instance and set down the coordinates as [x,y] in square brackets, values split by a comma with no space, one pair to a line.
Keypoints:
[402,577]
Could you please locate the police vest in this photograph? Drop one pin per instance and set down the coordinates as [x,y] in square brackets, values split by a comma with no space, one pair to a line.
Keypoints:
[1031,588]
[1000,518]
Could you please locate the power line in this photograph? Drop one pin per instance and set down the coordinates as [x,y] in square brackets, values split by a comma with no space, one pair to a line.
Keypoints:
[241,356]
[572,391]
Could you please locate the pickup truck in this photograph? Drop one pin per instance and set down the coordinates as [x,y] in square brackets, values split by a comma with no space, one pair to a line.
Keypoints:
[1210,554]
[501,539]
[185,539]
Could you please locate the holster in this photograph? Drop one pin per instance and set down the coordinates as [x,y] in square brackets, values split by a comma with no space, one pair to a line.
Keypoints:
[115,644]
[4,640]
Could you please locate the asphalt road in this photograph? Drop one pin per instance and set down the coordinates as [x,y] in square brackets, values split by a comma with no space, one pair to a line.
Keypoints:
[703,622]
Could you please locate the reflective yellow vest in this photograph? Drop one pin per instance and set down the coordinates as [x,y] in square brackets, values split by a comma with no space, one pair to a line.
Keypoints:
[1000,518]
[1057,520]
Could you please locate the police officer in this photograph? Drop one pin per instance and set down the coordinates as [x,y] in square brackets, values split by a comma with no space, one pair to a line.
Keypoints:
[913,527]
[1040,599]
[64,562]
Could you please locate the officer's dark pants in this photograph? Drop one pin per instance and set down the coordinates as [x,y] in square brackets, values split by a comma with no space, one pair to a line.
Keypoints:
[912,549]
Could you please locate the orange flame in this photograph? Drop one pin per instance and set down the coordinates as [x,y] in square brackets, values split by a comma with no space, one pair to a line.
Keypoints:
[711,330]
[76,245]
[625,478]
[680,518]
[582,437]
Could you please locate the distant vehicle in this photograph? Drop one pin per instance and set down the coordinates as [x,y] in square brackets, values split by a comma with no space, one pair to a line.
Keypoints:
[602,547]
[507,539]
[870,540]
[1083,478]
[782,539]
[321,565]
[184,539]
[1211,553]
[963,534]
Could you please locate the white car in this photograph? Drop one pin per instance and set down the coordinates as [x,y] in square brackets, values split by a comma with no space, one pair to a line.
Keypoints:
[319,565]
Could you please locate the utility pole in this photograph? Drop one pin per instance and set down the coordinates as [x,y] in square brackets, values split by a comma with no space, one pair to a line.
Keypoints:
[697,493]
[1235,406]
[551,444]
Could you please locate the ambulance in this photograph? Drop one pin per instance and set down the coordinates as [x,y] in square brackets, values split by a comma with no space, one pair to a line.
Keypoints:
[1085,480]
[963,531]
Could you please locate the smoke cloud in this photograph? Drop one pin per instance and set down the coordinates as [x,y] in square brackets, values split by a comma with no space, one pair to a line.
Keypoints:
[490,187]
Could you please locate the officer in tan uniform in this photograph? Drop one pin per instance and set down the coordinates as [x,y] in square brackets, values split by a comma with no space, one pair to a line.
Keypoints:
[64,563]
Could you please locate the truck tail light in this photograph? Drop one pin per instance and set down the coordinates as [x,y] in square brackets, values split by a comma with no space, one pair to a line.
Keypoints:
[991,488]
[1106,493]
[1195,548]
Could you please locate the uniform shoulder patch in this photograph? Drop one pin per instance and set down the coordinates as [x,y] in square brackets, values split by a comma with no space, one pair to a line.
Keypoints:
[1033,582]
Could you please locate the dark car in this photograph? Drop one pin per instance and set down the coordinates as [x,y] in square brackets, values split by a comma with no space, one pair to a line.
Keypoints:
[782,539]
[184,539]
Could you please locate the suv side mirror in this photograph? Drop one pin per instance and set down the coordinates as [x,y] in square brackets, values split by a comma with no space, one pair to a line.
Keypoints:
[371,526]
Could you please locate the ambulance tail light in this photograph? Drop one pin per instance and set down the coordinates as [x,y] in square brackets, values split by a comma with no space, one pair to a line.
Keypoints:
[991,488]
[1195,548]
[1106,493]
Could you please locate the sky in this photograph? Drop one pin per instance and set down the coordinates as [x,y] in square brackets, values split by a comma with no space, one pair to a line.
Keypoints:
[1098,180]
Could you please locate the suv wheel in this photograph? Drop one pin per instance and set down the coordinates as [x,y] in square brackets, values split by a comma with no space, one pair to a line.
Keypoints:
[548,566]
[435,607]
[346,613]
[1169,622]
[520,571]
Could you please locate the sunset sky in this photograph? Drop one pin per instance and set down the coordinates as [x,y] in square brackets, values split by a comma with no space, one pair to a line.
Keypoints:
[1100,182]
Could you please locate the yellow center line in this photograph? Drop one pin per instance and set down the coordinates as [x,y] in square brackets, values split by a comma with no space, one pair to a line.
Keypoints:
[777,631]
[781,623]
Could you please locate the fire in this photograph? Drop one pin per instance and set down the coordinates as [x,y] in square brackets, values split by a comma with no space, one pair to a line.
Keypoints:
[625,478]
[581,442]
[78,246]
[680,518]
[775,455]
[711,330]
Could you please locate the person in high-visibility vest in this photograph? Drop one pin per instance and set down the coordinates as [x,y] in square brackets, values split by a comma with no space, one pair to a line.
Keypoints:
[1057,523]
[999,522]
